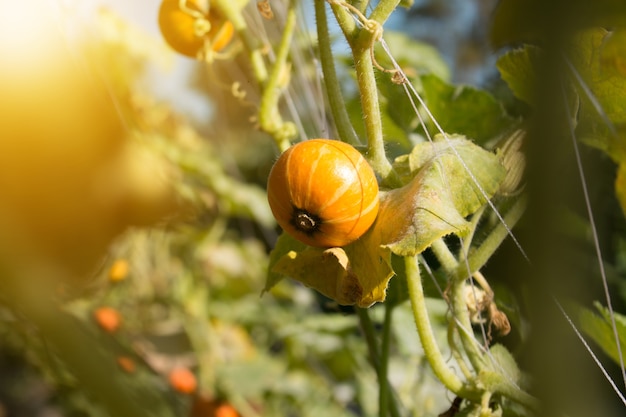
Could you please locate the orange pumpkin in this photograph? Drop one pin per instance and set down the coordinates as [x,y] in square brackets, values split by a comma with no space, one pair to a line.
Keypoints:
[183,380]
[323,193]
[183,29]
[108,318]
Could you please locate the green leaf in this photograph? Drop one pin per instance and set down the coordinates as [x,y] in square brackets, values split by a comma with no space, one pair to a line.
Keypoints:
[505,363]
[598,56]
[465,110]
[439,196]
[518,68]
[283,246]
[250,378]
[321,323]
[415,58]
[600,329]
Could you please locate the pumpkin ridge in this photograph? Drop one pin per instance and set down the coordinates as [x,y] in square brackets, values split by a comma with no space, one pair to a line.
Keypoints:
[311,185]
[346,186]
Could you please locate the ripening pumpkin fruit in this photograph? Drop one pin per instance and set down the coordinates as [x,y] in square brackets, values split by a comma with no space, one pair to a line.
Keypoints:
[323,193]
[226,410]
[108,318]
[119,270]
[191,31]
[183,380]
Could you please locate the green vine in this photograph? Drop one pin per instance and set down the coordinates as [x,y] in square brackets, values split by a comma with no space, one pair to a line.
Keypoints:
[459,307]
[270,120]
[480,381]
[333,87]
[431,350]
[362,41]
[269,115]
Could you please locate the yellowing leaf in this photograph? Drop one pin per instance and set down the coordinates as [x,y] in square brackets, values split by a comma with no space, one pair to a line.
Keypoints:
[601,67]
[414,216]
[440,195]
[331,272]
[284,245]
[371,264]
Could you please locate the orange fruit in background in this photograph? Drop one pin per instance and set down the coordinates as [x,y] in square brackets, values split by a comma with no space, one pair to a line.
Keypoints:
[323,193]
[118,270]
[108,318]
[183,29]
[226,410]
[183,380]
[127,364]
[211,407]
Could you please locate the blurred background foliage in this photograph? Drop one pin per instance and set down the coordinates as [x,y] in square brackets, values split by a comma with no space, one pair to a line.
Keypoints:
[113,197]
[114,201]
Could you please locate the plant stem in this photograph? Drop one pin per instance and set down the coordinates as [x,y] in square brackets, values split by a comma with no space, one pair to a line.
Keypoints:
[345,21]
[361,41]
[479,257]
[370,338]
[445,257]
[383,366]
[370,335]
[368,91]
[424,329]
[467,240]
[496,382]
[360,5]
[456,293]
[269,116]
[333,87]
[232,12]
[383,10]
[456,352]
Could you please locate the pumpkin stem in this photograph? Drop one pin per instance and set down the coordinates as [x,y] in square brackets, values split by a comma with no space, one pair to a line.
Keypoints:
[305,221]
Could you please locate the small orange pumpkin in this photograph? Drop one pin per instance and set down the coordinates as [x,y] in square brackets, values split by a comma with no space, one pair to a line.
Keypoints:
[182,29]
[108,318]
[323,193]
[183,380]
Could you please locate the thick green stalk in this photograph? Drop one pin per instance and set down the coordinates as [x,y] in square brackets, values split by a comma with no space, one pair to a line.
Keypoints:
[383,10]
[368,92]
[496,382]
[333,87]
[360,5]
[424,329]
[361,41]
[345,20]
